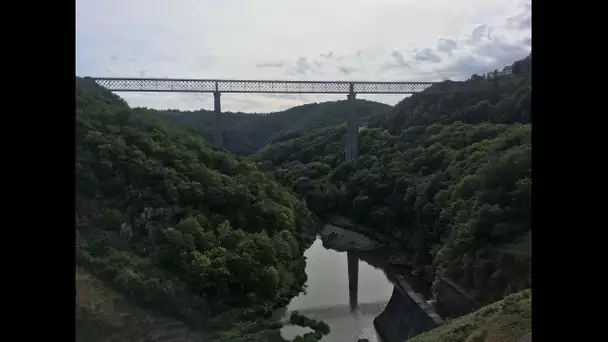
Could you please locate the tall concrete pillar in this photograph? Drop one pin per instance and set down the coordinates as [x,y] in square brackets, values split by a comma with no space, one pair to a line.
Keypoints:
[353,280]
[217,120]
[352,148]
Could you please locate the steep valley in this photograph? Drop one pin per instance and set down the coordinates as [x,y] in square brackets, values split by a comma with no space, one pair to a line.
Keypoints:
[214,243]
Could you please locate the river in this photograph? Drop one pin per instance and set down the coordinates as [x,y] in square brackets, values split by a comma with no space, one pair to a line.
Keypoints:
[346,290]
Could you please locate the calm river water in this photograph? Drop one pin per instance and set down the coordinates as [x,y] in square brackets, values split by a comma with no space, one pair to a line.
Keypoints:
[345,291]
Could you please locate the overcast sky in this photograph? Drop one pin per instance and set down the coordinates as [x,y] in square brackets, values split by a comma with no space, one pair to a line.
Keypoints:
[368,40]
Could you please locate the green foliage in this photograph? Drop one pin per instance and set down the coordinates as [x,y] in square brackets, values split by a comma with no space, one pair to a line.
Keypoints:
[313,336]
[255,330]
[319,327]
[187,229]
[446,175]
[246,133]
[175,224]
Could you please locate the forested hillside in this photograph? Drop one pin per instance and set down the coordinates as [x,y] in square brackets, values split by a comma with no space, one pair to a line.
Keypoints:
[244,134]
[177,226]
[446,175]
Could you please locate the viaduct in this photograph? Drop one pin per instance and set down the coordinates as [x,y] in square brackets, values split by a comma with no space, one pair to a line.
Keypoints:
[217,87]
[406,314]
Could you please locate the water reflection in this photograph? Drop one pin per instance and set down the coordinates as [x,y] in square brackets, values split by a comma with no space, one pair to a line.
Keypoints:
[349,313]
[353,280]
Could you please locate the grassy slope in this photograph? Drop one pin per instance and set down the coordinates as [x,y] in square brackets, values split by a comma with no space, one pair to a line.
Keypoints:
[502,321]
[102,314]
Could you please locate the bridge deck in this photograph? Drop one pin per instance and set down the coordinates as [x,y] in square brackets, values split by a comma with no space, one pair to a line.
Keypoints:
[259,86]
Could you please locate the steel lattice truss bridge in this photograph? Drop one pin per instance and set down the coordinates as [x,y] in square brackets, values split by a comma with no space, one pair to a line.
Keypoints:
[252,86]
[351,88]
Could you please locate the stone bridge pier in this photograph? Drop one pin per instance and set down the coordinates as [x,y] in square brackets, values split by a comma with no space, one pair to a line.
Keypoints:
[352,147]
[218,129]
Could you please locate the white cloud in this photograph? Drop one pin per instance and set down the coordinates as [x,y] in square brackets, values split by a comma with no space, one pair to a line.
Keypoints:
[446,45]
[426,55]
[289,39]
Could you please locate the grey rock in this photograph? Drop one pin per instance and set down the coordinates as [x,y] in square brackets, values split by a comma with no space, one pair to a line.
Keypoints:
[342,239]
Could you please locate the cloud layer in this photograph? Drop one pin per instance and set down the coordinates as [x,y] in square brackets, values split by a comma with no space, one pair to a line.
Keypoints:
[386,40]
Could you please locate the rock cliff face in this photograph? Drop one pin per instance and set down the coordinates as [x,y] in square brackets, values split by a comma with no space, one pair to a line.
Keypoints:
[343,240]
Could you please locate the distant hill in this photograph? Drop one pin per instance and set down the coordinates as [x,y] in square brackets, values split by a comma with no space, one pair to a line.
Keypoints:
[244,134]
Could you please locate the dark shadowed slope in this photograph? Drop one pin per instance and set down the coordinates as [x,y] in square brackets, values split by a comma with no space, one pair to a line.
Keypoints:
[103,314]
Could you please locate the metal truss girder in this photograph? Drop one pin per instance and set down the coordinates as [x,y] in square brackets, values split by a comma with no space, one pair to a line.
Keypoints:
[258,86]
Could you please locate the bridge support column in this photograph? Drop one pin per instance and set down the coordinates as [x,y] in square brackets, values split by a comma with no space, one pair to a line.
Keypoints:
[353,280]
[352,148]
[218,132]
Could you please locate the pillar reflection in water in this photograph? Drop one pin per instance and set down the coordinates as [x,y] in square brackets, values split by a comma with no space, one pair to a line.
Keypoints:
[353,280]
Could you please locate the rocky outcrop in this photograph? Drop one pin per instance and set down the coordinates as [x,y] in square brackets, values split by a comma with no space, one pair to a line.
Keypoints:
[345,223]
[344,240]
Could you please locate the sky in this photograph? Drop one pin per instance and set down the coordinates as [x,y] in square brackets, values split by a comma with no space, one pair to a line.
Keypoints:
[316,40]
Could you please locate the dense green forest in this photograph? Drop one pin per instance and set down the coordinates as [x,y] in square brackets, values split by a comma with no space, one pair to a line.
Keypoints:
[244,134]
[445,173]
[178,226]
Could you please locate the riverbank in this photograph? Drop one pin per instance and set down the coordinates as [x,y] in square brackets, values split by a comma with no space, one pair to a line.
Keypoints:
[346,298]
[396,258]
[345,240]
